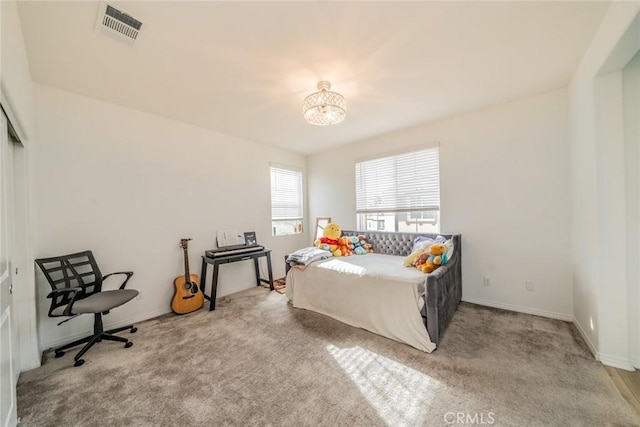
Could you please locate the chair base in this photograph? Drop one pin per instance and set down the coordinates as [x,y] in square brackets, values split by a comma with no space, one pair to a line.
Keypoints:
[98,335]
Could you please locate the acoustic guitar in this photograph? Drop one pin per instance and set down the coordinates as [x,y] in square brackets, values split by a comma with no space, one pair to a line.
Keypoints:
[188,296]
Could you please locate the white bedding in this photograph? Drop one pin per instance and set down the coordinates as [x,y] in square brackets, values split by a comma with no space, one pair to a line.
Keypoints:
[374,292]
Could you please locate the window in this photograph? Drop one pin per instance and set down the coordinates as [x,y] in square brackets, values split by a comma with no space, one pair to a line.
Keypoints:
[286,201]
[399,193]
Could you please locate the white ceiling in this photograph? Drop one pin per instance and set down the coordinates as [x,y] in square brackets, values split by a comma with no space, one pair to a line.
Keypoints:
[243,68]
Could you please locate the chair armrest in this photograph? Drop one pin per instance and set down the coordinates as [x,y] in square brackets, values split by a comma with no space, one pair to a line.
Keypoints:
[127,273]
[56,292]
[76,292]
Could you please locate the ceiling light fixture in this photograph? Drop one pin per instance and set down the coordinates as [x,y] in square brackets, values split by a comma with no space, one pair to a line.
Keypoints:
[324,107]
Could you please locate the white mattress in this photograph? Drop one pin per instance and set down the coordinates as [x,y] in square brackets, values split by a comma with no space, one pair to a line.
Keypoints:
[373,292]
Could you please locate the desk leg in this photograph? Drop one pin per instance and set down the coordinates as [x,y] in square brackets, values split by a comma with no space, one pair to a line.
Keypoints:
[255,262]
[270,271]
[214,287]
[203,277]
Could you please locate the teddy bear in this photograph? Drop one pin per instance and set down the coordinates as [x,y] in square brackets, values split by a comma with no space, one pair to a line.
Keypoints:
[430,260]
[358,245]
[420,259]
[368,247]
[329,241]
[344,247]
[412,259]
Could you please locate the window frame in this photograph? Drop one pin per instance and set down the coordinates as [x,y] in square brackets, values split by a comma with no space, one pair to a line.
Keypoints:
[297,221]
[396,214]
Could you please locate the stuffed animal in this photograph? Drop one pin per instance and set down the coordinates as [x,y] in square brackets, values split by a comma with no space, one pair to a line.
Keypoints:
[436,258]
[358,242]
[329,241]
[344,247]
[411,259]
[368,247]
[421,261]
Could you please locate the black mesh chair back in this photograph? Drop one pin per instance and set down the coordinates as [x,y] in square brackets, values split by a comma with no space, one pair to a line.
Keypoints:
[78,270]
[76,288]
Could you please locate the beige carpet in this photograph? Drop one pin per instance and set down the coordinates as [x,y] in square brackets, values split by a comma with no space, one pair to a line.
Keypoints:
[256,360]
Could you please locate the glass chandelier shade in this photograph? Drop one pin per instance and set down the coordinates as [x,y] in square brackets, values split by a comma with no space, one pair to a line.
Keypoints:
[324,107]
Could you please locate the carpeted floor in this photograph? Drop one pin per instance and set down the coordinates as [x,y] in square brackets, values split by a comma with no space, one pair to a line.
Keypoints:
[256,360]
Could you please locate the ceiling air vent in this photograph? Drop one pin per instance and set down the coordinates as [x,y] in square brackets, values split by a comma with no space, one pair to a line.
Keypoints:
[117,23]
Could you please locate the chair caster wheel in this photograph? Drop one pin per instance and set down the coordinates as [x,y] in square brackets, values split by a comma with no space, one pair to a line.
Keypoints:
[129,344]
[133,330]
[59,354]
[79,362]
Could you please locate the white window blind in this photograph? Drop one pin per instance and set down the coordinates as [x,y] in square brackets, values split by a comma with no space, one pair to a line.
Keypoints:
[401,183]
[286,194]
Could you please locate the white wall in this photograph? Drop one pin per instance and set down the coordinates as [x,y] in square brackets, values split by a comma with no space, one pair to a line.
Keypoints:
[631,112]
[17,88]
[16,95]
[128,185]
[598,187]
[504,186]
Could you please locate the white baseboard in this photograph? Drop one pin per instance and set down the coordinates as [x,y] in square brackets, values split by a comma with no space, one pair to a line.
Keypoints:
[605,359]
[616,362]
[586,339]
[29,365]
[129,321]
[519,309]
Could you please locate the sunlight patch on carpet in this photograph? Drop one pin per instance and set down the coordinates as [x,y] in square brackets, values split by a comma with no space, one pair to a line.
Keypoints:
[400,395]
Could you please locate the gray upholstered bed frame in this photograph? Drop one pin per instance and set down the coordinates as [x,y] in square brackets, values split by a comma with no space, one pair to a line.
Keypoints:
[443,286]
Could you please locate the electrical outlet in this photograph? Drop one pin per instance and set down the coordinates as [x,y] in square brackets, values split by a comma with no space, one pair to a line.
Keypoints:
[530,285]
[487,281]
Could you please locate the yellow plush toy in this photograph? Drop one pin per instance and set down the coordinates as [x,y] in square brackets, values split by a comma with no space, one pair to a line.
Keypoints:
[435,259]
[330,239]
[412,258]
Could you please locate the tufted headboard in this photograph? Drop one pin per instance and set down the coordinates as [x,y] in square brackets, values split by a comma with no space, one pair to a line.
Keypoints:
[390,243]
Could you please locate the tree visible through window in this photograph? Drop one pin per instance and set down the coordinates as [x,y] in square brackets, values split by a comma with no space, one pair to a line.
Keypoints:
[399,193]
[286,201]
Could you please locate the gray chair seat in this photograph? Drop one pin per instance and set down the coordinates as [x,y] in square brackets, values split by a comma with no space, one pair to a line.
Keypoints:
[103,301]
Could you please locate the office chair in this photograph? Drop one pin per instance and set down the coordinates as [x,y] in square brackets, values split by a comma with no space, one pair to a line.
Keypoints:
[76,283]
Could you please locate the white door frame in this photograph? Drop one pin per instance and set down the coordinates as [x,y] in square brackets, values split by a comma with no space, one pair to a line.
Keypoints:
[8,332]
[23,268]
[24,290]
[618,294]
